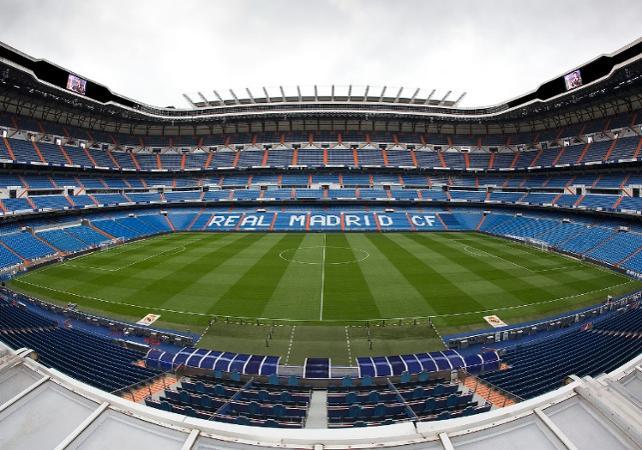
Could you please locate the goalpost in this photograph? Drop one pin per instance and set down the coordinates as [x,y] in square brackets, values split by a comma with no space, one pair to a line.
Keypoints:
[541,245]
[113,243]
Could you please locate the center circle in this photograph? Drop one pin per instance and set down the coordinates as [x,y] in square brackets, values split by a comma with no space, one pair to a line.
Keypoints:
[318,254]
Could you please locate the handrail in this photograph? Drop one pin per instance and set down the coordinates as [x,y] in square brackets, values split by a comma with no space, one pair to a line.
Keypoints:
[627,298]
[146,382]
[490,386]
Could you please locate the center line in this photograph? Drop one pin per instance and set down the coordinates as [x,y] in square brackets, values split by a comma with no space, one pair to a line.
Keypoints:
[322,277]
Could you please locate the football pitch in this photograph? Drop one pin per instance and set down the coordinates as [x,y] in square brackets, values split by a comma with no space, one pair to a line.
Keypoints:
[336,295]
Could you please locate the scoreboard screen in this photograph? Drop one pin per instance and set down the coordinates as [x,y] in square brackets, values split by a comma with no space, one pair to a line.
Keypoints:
[573,80]
[77,84]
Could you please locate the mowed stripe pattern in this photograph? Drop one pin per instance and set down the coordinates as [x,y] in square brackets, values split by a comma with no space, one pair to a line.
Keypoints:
[189,277]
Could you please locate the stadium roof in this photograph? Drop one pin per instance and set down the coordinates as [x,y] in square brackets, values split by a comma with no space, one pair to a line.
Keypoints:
[609,84]
[319,93]
[42,408]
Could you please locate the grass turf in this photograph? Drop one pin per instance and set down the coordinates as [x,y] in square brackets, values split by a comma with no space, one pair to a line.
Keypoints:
[324,283]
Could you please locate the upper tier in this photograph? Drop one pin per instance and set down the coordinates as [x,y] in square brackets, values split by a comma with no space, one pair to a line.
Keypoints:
[598,142]
[609,84]
[322,133]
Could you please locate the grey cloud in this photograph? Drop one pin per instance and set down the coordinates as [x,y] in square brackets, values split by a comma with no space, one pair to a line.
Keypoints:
[154,50]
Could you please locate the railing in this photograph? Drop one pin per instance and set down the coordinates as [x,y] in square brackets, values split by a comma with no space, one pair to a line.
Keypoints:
[494,395]
[129,391]
[85,317]
[564,319]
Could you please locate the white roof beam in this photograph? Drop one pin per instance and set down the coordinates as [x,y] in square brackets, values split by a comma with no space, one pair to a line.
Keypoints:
[414,96]
[555,429]
[430,96]
[446,443]
[349,92]
[316,93]
[298,91]
[267,96]
[236,99]
[249,94]
[282,93]
[332,93]
[191,439]
[365,94]
[205,100]
[23,393]
[398,95]
[66,442]
[189,100]
[445,97]
[220,99]
[463,94]
[383,92]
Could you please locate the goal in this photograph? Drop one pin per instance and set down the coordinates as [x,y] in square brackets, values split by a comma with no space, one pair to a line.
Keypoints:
[542,245]
[112,243]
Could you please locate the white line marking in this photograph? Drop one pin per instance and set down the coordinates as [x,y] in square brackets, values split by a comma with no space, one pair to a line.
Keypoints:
[112,302]
[209,325]
[191,313]
[525,305]
[434,327]
[287,356]
[522,245]
[283,255]
[553,268]
[350,363]
[472,251]
[180,250]
[322,276]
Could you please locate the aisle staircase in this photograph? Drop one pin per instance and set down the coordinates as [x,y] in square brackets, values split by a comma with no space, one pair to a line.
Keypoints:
[493,395]
[157,385]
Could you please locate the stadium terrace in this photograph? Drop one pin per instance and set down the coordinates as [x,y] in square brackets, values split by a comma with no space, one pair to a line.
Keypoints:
[259,268]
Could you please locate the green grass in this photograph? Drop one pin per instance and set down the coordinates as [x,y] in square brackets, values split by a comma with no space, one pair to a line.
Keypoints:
[323,283]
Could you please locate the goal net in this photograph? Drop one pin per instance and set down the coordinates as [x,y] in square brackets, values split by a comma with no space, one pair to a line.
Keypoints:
[112,243]
[542,245]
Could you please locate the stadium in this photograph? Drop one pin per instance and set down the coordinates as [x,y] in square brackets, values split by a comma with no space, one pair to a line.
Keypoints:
[321,267]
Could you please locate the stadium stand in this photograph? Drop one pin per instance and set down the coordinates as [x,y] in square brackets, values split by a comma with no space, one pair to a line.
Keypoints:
[537,368]
[333,166]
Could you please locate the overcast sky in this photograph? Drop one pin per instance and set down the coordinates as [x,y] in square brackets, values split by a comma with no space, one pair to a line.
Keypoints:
[153,51]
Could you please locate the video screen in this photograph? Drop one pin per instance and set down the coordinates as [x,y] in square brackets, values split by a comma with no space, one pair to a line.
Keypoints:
[573,80]
[76,84]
